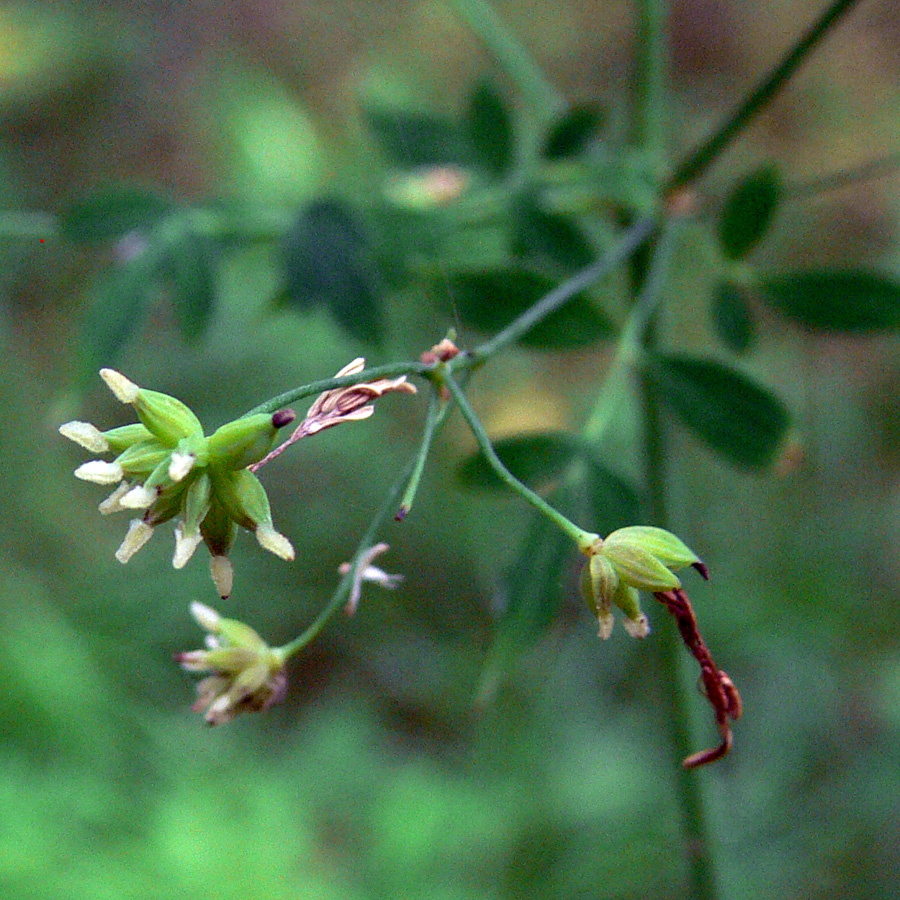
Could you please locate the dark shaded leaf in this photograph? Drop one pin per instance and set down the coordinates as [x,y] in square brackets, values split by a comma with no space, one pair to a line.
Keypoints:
[854,301]
[190,269]
[748,212]
[549,239]
[118,305]
[531,598]
[411,140]
[327,262]
[534,459]
[490,130]
[613,502]
[574,132]
[535,581]
[488,301]
[732,318]
[105,215]
[737,417]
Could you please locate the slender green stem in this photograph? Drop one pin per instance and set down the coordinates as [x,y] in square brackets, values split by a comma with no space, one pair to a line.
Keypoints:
[706,154]
[875,168]
[679,716]
[342,592]
[561,295]
[512,55]
[628,349]
[583,539]
[651,112]
[391,370]
[437,409]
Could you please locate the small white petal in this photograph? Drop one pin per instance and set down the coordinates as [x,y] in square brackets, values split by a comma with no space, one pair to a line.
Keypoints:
[185,545]
[269,539]
[85,435]
[220,711]
[637,628]
[126,391]
[100,472]
[211,642]
[193,661]
[180,464]
[222,574]
[606,625]
[357,365]
[205,616]
[111,503]
[382,578]
[139,532]
[139,497]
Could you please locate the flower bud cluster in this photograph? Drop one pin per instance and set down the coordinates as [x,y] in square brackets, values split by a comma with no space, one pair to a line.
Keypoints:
[247,674]
[165,467]
[630,560]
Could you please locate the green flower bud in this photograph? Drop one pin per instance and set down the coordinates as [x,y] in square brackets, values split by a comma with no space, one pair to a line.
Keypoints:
[245,500]
[168,418]
[244,441]
[670,550]
[126,436]
[140,459]
[628,600]
[247,674]
[599,582]
[218,528]
[166,467]
[635,565]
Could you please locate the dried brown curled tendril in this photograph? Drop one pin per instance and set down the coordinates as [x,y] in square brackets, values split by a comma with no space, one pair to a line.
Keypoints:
[723,696]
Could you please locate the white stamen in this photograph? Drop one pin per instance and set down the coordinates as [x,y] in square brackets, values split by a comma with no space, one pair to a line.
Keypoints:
[193,661]
[100,472]
[180,464]
[126,391]
[269,539]
[606,625]
[139,532]
[85,435]
[367,572]
[139,497]
[205,616]
[185,545]
[220,711]
[111,504]
[382,578]
[637,628]
[222,574]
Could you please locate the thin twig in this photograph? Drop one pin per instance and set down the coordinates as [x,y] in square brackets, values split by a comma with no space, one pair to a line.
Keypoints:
[699,160]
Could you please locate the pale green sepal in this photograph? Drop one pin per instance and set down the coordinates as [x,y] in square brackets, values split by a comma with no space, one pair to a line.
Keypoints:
[670,550]
[167,417]
[242,495]
[197,503]
[637,566]
[126,436]
[241,443]
[140,459]
[237,634]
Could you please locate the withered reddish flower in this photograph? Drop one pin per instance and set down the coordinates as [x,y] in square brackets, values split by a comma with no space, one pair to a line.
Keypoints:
[345,404]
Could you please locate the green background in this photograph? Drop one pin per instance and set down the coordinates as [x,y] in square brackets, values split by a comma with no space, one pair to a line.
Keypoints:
[378,777]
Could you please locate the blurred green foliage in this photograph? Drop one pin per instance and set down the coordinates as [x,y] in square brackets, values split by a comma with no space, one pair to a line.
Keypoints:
[380,777]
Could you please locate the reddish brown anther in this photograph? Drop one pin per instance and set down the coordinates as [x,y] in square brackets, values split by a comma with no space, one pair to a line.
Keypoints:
[283,417]
[442,352]
[723,696]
